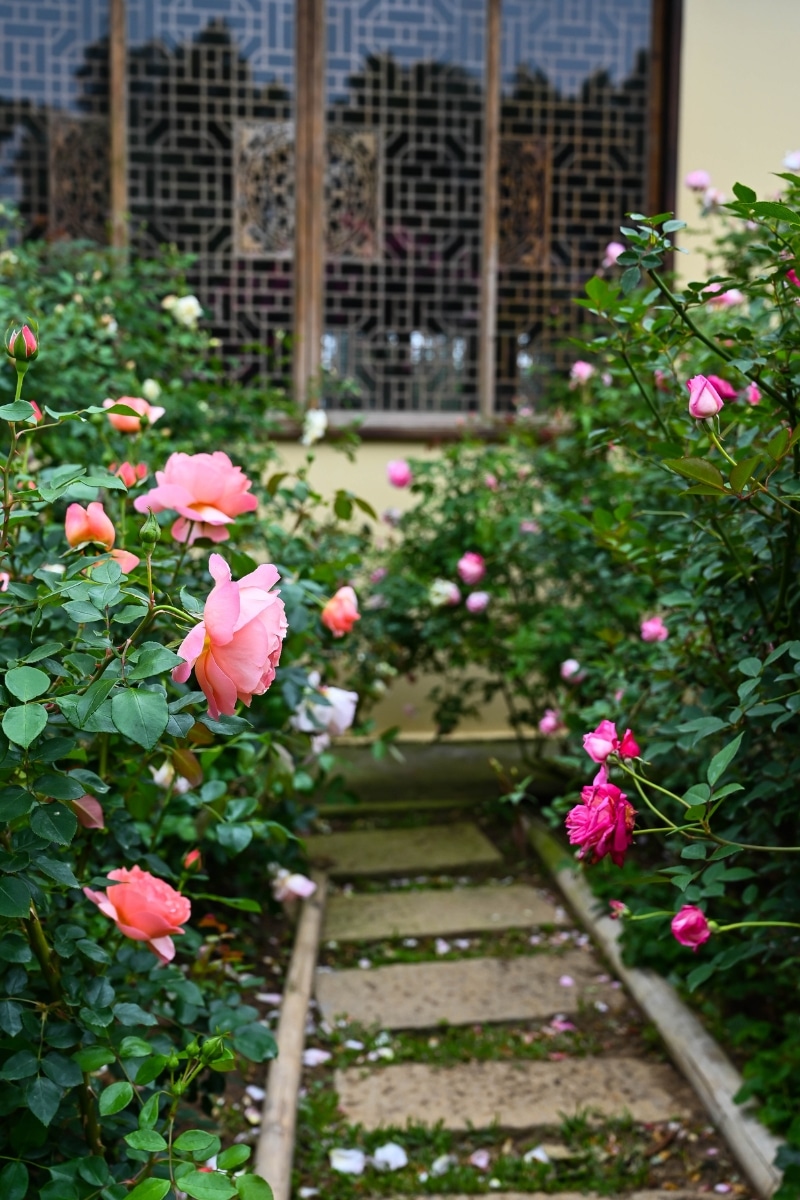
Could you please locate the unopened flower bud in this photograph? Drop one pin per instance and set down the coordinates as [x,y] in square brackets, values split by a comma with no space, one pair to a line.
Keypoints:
[21,343]
[150,532]
[212,1048]
[193,860]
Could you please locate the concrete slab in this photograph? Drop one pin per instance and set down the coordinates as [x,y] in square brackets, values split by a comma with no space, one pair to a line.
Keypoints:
[651,1195]
[356,918]
[403,851]
[422,995]
[513,1095]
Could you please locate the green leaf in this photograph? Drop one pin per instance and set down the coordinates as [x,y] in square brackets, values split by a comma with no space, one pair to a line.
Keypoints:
[778,212]
[197,1143]
[131,1014]
[233,1157]
[778,444]
[242,903]
[750,666]
[153,660]
[630,280]
[150,1069]
[14,1181]
[60,871]
[10,1017]
[203,1186]
[82,613]
[55,823]
[92,1058]
[17,410]
[743,471]
[255,1042]
[26,683]
[699,975]
[94,1170]
[234,837]
[62,1071]
[134,1047]
[92,698]
[149,1114]
[22,1065]
[15,802]
[694,850]
[141,716]
[23,723]
[146,1139]
[150,1189]
[253,1187]
[114,1098]
[697,468]
[15,897]
[58,787]
[744,193]
[43,1098]
[721,760]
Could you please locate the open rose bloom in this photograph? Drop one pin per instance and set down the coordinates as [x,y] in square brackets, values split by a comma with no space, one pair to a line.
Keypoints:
[234,650]
[341,612]
[145,909]
[330,718]
[127,423]
[91,525]
[604,740]
[206,490]
[602,824]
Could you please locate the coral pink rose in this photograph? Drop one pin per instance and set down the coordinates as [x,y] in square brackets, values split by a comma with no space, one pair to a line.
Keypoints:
[399,473]
[618,909]
[690,926]
[341,612]
[148,414]
[234,650]
[145,909]
[91,524]
[129,473]
[653,629]
[602,823]
[207,490]
[704,399]
[471,567]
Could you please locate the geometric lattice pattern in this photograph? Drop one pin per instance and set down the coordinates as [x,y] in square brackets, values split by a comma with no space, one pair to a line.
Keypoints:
[197,82]
[54,66]
[575,93]
[403,323]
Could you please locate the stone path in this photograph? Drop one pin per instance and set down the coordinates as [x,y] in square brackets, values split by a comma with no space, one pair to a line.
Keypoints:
[509,1044]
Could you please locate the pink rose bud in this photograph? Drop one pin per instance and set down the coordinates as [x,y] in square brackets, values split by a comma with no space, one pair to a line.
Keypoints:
[690,927]
[341,612]
[21,343]
[752,394]
[128,473]
[726,390]
[193,860]
[89,524]
[477,602]
[792,278]
[399,473]
[653,629]
[580,372]
[601,742]
[144,908]
[471,567]
[618,909]
[613,251]
[550,722]
[629,747]
[698,181]
[5,580]
[704,399]
[570,671]
[38,415]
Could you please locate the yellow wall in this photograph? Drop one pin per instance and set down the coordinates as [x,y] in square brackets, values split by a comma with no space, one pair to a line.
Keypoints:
[739,101]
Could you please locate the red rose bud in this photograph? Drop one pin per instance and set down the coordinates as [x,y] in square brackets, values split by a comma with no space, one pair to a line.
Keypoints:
[21,343]
[193,861]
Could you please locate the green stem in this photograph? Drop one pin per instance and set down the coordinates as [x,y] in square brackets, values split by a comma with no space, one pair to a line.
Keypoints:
[749,924]
[749,582]
[656,787]
[643,391]
[650,804]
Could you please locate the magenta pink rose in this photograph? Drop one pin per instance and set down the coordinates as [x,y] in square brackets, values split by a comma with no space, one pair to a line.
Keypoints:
[144,908]
[704,399]
[690,927]
[752,394]
[602,823]
[653,629]
[399,473]
[604,741]
[613,251]
[551,722]
[618,909]
[471,567]
[570,671]
[725,390]
[234,651]
[792,278]
[206,490]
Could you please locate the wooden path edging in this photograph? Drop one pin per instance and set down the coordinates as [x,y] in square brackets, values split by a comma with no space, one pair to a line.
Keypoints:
[700,1058]
[275,1146]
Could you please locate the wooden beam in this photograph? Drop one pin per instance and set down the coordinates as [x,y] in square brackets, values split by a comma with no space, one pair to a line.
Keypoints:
[490,258]
[303,20]
[316,210]
[118,118]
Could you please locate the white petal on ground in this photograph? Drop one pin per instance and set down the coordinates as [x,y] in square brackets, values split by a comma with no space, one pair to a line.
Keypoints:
[442,1164]
[348,1162]
[537,1154]
[314,1057]
[480,1159]
[255,1093]
[390,1157]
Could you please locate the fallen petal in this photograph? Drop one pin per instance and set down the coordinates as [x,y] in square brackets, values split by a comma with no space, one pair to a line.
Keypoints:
[315,1058]
[347,1162]
[390,1157]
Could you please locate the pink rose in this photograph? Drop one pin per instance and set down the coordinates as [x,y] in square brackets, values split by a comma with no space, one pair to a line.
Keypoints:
[341,612]
[570,671]
[698,181]
[704,399]
[477,602]
[602,823]
[91,524]
[399,473]
[618,909]
[530,527]
[613,251]
[208,492]
[752,394]
[145,909]
[580,372]
[378,575]
[471,567]
[129,473]
[653,629]
[724,389]
[288,886]
[234,650]
[716,298]
[690,927]
[551,722]
[604,741]
[491,482]
[21,343]
[148,414]
[792,278]
[712,199]
[5,580]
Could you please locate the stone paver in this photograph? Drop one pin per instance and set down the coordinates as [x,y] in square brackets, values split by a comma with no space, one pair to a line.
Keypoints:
[355,918]
[651,1195]
[514,1095]
[422,995]
[402,851]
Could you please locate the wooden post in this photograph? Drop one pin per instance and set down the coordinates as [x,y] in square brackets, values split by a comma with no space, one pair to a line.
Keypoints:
[491,204]
[309,198]
[118,118]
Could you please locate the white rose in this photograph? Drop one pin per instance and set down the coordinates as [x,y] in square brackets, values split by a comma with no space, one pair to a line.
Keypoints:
[186,310]
[314,425]
[151,390]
